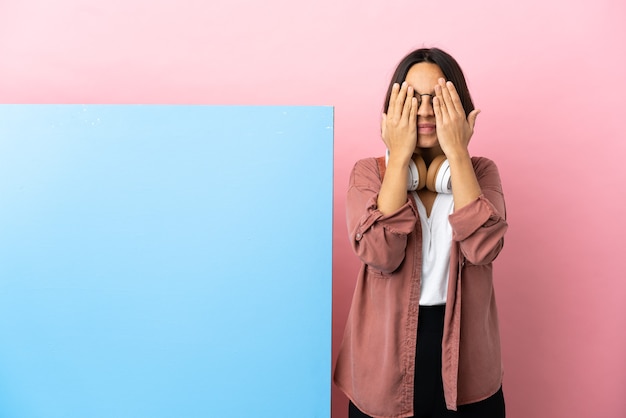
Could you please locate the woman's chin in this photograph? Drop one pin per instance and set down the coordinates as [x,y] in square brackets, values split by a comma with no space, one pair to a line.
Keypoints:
[425,143]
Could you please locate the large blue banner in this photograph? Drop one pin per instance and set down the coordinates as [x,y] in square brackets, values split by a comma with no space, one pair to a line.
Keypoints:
[165,261]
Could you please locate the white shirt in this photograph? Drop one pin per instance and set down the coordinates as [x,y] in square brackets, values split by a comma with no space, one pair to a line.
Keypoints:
[436,239]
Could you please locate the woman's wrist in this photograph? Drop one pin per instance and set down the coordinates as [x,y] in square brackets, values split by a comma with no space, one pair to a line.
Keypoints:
[458,155]
[400,159]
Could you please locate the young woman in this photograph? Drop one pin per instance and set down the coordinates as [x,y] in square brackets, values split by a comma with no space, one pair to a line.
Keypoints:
[427,221]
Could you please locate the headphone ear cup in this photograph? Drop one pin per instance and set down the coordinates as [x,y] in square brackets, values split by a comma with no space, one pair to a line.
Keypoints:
[413,177]
[438,177]
[417,173]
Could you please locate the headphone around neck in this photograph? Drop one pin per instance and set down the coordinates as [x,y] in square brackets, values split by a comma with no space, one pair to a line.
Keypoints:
[436,178]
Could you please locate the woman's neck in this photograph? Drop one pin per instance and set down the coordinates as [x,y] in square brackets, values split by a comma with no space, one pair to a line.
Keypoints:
[428,154]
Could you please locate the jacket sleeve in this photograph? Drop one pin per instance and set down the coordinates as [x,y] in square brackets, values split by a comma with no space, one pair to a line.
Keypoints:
[378,240]
[479,227]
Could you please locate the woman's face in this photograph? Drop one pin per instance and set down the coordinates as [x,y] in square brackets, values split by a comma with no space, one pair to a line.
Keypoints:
[423,77]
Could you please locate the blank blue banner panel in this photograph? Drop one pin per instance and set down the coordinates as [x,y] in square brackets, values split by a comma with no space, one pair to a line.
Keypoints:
[165,261]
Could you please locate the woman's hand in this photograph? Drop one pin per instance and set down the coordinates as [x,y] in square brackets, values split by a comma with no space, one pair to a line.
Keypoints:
[454,130]
[399,124]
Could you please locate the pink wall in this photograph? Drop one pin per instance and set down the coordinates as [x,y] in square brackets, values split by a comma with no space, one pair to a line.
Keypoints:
[548,77]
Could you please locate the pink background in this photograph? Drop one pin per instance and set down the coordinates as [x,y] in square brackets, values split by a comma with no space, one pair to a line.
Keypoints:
[548,76]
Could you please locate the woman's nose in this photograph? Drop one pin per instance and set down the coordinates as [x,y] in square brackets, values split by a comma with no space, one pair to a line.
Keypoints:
[425,105]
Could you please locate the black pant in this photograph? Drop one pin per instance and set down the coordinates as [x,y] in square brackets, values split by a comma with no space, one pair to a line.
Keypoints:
[428,399]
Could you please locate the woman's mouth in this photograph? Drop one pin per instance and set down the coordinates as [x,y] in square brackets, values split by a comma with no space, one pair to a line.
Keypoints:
[426,128]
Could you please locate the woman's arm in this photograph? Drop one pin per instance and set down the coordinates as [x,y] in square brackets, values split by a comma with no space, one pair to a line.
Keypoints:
[454,131]
[478,222]
[479,226]
[399,132]
[378,239]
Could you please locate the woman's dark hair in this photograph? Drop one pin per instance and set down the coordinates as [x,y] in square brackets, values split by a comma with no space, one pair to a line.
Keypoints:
[450,68]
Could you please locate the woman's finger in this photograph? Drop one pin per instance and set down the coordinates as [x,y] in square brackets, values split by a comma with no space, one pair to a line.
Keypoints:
[413,112]
[408,102]
[440,104]
[383,128]
[471,118]
[437,108]
[456,100]
[447,97]
[392,98]
[400,102]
